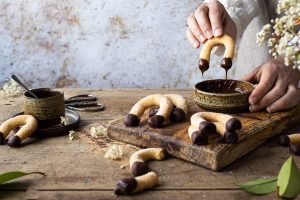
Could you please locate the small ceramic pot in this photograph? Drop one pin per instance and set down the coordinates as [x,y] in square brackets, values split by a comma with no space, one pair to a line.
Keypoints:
[48,107]
[222,95]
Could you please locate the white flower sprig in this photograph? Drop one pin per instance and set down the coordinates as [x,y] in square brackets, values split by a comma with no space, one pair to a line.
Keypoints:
[283,34]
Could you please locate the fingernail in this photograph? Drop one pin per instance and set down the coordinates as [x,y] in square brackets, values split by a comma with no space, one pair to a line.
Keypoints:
[269,110]
[252,108]
[202,38]
[218,32]
[196,43]
[253,100]
[208,34]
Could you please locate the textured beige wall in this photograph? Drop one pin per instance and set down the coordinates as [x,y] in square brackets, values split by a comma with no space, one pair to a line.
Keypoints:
[100,43]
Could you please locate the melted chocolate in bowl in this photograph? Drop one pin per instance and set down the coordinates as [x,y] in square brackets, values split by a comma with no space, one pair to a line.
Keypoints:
[221,86]
[223,95]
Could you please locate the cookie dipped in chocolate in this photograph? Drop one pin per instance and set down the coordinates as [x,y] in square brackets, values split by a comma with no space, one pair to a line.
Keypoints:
[226,63]
[203,65]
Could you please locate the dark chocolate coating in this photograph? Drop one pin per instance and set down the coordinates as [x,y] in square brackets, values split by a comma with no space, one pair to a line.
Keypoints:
[207,127]
[226,63]
[14,141]
[139,168]
[125,186]
[199,138]
[156,121]
[230,137]
[203,65]
[283,140]
[131,120]
[153,111]
[233,124]
[2,138]
[177,115]
[295,149]
[220,86]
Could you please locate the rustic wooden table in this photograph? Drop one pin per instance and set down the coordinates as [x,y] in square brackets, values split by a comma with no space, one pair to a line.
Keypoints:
[74,171]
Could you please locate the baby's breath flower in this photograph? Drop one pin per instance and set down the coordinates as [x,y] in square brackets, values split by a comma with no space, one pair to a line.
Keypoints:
[73,135]
[114,152]
[282,35]
[11,88]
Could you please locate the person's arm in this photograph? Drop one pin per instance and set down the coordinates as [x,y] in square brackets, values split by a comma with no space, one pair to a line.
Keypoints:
[242,12]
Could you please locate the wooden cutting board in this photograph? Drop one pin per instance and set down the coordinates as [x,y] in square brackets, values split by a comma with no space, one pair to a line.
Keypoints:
[257,129]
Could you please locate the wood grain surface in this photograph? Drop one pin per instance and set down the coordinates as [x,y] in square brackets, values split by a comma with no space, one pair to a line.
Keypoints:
[257,128]
[77,170]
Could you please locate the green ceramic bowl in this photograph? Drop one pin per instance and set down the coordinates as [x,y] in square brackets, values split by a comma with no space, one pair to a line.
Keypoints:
[222,95]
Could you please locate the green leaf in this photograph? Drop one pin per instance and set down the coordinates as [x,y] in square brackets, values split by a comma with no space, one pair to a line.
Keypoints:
[8,176]
[260,186]
[288,179]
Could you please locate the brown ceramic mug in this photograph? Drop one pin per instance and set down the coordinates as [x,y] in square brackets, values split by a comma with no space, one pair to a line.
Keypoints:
[47,108]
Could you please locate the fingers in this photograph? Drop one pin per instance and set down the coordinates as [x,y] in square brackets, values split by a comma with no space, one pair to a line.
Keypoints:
[201,15]
[195,29]
[274,94]
[266,78]
[215,16]
[288,100]
[193,40]
[206,22]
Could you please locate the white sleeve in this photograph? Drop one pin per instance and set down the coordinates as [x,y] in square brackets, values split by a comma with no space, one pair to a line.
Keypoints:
[242,12]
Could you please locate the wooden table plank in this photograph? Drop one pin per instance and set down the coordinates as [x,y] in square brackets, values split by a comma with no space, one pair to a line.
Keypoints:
[75,165]
[147,195]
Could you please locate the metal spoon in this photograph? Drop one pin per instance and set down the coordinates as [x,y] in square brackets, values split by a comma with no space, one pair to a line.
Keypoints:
[15,78]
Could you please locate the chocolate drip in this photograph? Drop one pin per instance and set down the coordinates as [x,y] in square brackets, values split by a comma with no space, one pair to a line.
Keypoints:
[226,63]
[203,65]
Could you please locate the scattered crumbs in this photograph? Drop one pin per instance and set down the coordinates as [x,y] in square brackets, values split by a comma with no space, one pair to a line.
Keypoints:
[97,131]
[114,152]
[73,135]
[64,121]
[10,89]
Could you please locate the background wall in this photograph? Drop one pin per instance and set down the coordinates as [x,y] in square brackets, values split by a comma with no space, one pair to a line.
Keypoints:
[100,43]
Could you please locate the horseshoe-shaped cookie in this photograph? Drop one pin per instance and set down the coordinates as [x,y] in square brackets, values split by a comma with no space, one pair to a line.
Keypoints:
[226,62]
[180,110]
[156,121]
[231,124]
[29,125]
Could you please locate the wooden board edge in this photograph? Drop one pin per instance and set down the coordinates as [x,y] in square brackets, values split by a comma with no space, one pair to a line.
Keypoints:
[281,127]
